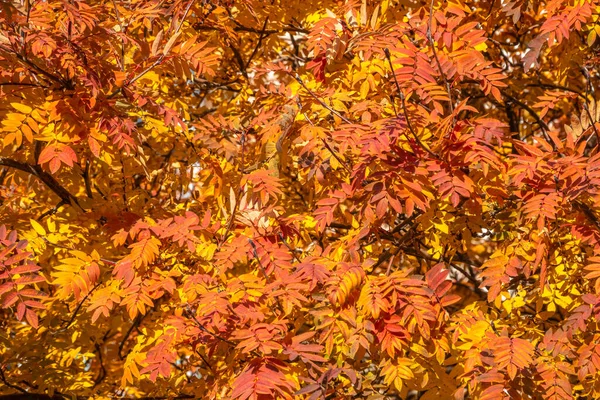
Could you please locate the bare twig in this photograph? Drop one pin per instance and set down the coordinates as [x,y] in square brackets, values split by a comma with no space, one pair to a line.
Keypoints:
[554,86]
[238,194]
[328,147]
[289,247]
[238,58]
[204,360]
[21,84]
[86,179]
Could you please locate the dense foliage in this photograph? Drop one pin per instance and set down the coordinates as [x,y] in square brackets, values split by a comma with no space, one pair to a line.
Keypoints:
[300,199]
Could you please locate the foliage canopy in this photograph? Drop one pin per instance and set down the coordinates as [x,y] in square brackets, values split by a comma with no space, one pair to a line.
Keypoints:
[315,199]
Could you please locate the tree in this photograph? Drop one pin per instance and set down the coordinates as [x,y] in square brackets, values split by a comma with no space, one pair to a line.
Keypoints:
[313,199]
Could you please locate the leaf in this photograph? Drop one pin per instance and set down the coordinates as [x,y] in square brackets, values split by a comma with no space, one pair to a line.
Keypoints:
[514,354]
[10,299]
[261,377]
[25,109]
[37,227]
[170,43]
[156,43]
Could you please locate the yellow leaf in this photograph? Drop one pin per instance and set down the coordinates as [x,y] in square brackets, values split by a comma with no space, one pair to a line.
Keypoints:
[591,38]
[22,108]
[364,89]
[37,227]
[51,225]
[481,47]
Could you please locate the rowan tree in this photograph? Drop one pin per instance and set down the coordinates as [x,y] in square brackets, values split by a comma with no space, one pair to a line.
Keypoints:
[316,199]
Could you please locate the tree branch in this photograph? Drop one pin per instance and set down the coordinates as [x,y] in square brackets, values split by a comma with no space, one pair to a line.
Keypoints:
[46,178]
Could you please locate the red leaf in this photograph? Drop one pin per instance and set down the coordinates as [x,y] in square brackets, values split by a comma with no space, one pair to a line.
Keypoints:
[21,308]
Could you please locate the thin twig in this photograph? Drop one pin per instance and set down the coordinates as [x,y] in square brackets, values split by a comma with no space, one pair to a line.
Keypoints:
[255,253]
[260,39]
[159,60]
[22,84]
[79,307]
[135,323]
[435,56]
[10,385]
[86,179]
[328,147]
[403,100]
[535,116]
[289,247]
[203,329]
[204,360]
[51,211]
[554,86]
[47,74]
[239,193]
[314,96]
[120,31]
[586,105]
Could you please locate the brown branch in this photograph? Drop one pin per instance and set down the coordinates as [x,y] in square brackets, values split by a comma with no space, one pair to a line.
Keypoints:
[545,128]
[338,225]
[586,105]
[133,326]
[239,60]
[554,86]
[238,195]
[260,39]
[282,238]
[204,360]
[102,373]
[241,28]
[21,84]
[118,15]
[328,147]
[476,283]
[86,179]
[292,29]
[24,60]
[530,110]
[51,211]
[10,385]
[46,178]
